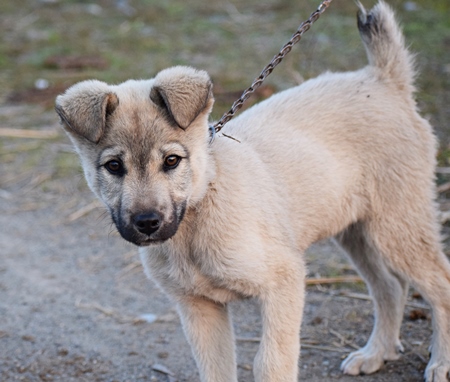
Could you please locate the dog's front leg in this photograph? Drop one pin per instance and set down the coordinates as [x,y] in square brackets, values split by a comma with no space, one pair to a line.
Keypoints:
[208,328]
[279,351]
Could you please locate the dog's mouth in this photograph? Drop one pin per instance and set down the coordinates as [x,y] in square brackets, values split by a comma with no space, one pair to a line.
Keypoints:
[149,242]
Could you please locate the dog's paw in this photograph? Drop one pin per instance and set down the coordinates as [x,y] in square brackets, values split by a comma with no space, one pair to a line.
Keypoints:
[437,371]
[369,359]
[360,362]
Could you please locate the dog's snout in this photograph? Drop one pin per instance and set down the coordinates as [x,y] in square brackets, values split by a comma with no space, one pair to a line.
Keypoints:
[147,223]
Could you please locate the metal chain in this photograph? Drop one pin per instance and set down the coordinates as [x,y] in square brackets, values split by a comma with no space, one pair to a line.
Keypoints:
[304,27]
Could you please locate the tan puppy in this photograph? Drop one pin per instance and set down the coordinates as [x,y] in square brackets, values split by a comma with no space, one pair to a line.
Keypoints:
[344,154]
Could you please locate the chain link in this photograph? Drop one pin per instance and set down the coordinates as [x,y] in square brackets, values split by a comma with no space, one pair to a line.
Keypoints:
[296,37]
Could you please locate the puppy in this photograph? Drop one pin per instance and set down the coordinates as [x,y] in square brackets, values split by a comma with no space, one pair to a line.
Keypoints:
[344,154]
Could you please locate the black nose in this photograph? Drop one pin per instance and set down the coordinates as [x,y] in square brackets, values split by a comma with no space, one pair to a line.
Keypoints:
[147,223]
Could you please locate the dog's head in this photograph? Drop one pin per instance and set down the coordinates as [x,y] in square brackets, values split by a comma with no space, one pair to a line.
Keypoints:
[143,147]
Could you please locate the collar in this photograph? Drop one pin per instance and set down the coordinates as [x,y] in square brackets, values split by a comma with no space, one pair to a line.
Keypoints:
[212,133]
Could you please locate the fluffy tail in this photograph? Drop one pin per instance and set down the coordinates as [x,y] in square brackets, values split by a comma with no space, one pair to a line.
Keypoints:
[385,46]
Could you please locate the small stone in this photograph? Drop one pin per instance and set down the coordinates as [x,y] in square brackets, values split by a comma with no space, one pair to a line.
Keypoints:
[316,320]
[63,352]
[417,314]
[28,338]
[41,84]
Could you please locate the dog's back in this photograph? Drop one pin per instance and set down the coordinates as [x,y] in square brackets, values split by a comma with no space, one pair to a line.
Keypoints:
[359,131]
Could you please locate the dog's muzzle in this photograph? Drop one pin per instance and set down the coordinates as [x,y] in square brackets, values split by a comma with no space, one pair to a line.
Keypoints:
[150,227]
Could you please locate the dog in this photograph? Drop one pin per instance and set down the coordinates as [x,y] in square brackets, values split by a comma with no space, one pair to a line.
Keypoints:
[344,155]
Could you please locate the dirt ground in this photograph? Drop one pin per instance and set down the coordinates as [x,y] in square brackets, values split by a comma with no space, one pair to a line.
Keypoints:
[74,302]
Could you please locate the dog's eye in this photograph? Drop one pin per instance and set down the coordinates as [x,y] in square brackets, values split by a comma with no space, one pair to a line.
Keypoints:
[114,167]
[171,162]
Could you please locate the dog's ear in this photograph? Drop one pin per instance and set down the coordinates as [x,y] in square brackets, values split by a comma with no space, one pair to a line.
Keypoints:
[84,107]
[183,93]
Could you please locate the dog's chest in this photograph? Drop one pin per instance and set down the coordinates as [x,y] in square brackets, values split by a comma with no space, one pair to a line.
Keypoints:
[179,275]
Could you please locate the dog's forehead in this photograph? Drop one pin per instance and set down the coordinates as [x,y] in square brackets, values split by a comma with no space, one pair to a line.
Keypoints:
[137,125]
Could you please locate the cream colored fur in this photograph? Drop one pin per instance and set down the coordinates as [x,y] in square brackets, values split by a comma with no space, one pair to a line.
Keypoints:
[345,155]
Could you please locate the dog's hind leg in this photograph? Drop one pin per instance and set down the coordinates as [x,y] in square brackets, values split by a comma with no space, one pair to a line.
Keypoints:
[407,237]
[388,291]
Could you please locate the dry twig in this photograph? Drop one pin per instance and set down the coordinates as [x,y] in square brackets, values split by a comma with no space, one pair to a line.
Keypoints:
[19,148]
[333,280]
[305,344]
[36,181]
[162,369]
[366,297]
[21,133]
[248,339]
[444,216]
[443,187]
[323,348]
[343,339]
[443,170]
[108,312]
[83,211]
[131,269]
